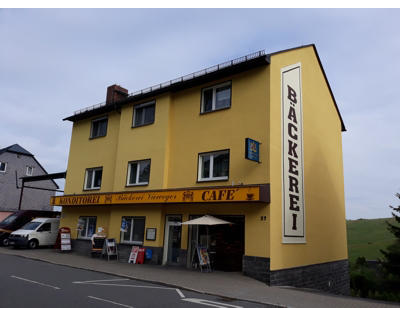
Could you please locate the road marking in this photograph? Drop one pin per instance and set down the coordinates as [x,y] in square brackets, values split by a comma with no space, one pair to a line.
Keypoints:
[91,281]
[19,278]
[180,293]
[209,303]
[129,285]
[115,303]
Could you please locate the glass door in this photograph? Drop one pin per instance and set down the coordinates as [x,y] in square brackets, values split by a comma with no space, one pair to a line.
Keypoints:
[172,240]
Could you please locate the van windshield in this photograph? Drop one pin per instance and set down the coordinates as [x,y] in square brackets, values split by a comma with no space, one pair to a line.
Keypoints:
[8,220]
[31,225]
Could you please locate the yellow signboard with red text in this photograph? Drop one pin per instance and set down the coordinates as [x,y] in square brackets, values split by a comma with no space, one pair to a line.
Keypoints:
[256,193]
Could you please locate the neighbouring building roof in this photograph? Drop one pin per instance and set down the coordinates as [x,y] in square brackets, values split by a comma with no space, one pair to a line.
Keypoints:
[17,149]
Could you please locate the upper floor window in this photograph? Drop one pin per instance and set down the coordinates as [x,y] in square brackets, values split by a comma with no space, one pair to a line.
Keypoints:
[99,127]
[143,114]
[213,166]
[3,166]
[29,170]
[93,178]
[216,97]
[139,172]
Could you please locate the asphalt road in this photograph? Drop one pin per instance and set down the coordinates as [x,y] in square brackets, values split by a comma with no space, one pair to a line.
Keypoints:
[31,283]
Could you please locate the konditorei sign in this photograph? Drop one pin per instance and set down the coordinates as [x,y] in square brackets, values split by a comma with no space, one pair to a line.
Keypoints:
[253,193]
[293,216]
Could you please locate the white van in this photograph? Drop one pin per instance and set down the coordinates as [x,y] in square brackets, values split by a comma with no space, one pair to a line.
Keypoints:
[38,232]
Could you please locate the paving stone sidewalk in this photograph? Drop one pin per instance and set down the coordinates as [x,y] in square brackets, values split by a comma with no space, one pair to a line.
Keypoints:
[226,284]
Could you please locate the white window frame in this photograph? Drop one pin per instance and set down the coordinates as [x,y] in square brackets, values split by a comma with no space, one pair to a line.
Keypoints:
[143,105]
[131,219]
[87,227]
[137,173]
[93,174]
[27,170]
[5,167]
[105,118]
[214,96]
[211,155]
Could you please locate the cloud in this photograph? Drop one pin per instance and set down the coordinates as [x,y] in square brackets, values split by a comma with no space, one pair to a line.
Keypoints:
[54,62]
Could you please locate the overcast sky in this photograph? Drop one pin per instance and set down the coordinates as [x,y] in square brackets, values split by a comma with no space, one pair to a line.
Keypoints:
[53,62]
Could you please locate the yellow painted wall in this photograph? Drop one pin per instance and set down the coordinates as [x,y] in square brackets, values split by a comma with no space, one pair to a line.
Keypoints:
[89,153]
[192,133]
[173,143]
[323,168]
[180,133]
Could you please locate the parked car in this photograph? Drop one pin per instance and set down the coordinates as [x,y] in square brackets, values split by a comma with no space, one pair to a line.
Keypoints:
[18,219]
[39,232]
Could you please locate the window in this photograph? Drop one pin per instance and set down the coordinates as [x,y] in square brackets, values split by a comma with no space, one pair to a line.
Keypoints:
[143,114]
[99,127]
[213,166]
[93,178]
[29,170]
[3,166]
[132,230]
[46,227]
[216,98]
[138,172]
[86,226]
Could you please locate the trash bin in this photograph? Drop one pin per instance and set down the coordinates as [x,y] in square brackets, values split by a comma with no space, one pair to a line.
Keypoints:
[149,253]
[140,257]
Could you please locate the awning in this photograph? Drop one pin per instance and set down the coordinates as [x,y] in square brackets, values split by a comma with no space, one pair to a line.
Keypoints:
[206,220]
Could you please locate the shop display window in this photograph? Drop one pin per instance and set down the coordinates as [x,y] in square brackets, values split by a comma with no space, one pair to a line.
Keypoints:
[86,226]
[132,230]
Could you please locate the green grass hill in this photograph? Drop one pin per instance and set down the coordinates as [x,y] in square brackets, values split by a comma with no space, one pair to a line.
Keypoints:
[366,236]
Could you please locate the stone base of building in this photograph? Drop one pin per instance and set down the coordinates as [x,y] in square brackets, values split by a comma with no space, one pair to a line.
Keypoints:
[84,247]
[330,277]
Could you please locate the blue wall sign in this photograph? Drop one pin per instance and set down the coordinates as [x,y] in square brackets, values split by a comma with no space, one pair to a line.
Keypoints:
[252,150]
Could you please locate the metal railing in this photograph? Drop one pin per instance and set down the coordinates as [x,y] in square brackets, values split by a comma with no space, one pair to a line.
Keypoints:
[183,78]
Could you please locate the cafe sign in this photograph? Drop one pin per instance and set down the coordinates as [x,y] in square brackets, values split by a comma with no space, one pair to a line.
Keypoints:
[253,193]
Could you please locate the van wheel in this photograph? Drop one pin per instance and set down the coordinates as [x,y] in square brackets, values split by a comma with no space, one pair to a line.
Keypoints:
[5,242]
[33,244]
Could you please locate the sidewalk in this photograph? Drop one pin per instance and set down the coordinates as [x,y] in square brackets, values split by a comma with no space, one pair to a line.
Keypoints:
[226,284]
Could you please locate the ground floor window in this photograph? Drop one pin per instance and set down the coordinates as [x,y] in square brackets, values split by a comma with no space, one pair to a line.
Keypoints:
[86,226]
[132,230]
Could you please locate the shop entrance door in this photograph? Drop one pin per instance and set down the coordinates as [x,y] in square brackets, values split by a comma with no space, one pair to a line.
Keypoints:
[172,240]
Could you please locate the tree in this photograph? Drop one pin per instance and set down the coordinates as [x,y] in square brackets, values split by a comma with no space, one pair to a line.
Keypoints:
[391,262]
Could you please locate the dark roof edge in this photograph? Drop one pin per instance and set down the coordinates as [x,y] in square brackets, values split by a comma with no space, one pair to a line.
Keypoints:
[323,72]
[234,69]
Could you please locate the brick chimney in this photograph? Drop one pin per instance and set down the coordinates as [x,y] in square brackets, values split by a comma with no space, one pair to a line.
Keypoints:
[116,93]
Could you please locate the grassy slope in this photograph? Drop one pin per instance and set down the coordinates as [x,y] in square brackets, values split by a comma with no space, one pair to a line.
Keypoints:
[366,236]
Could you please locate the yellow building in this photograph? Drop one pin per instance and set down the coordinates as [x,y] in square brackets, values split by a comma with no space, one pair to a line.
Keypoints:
[255,141]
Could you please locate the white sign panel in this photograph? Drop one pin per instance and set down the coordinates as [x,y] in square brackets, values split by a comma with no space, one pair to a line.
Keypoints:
[293,217]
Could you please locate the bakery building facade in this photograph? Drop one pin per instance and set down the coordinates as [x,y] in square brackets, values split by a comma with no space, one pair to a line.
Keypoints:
[255,141]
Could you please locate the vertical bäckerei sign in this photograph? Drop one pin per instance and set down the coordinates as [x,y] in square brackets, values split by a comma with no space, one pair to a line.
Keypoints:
[292,156]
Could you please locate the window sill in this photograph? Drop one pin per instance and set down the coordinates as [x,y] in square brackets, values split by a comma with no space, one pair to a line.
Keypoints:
[137,185]
[136,126]
[93,189]
[95,137]
[212,111]
[132,243]
[213,180]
